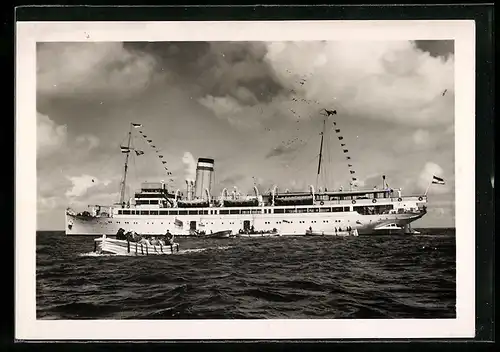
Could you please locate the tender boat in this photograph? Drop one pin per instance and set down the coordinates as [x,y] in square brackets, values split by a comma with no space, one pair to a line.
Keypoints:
[123,247]
[264,234]
[353,232]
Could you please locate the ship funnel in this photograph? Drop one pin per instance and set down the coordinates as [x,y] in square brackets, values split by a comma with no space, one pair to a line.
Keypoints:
[188,189]
[204,177]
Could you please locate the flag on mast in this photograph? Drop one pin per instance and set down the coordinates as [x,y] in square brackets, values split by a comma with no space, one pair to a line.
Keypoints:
[437,180]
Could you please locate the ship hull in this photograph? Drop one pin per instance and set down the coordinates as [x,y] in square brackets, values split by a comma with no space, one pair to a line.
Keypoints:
[284,224]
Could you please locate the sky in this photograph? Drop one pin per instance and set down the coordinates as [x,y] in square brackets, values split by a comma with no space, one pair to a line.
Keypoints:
[255,107]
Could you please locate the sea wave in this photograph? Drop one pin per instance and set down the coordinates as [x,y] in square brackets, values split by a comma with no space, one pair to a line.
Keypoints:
[247,278]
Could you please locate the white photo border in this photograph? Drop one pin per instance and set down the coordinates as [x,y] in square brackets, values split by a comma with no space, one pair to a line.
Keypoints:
[27,327]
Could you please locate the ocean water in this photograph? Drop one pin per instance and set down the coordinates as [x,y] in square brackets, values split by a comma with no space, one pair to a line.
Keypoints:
[251,278]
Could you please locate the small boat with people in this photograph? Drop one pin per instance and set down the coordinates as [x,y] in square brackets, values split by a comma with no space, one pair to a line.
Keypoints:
[251,232]
[218,234]
[131,243]
[348,231]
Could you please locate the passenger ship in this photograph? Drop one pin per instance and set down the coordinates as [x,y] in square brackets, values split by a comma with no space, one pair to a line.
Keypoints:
[155,209]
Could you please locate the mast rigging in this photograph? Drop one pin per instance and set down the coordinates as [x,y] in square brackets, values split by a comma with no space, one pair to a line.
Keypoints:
[124,180]
[321,151]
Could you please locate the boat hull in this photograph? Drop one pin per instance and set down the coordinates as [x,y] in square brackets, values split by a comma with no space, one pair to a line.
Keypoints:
[331,233]
[259,235]
[220,234]
[105,245]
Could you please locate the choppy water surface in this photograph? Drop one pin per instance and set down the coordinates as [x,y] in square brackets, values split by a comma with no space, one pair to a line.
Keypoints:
[249,278]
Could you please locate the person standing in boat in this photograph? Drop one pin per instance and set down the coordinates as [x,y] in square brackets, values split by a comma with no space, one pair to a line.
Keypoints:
[120,235]
[169,241]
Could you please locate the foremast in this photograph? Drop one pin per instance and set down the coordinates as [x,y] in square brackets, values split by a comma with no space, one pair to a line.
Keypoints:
[123,184]
[321,151]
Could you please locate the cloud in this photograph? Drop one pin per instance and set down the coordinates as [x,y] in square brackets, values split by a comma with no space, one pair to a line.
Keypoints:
[82,183]
[421,137]
[88,141]
[282,149]
[439,212]
[50,136]
[238,70]
[189,166]
[391,81]
[374,180]
[48,203]
[240,116]
[221,106]
[92,68]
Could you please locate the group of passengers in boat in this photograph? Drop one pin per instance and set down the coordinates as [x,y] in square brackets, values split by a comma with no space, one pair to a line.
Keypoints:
[165,240]
[347,229]
[337,229]
[251,231]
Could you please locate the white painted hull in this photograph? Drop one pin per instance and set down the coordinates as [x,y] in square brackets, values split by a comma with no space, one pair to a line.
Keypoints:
[259,235]
[120,247]
[330,233]
[293,224]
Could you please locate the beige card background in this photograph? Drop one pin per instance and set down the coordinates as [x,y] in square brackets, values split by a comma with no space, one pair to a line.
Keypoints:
[28,33]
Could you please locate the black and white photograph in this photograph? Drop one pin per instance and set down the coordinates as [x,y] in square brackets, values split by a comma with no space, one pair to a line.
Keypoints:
[304,176]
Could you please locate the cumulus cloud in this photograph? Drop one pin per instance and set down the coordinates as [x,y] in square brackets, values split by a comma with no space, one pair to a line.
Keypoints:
[439,212]
[88,141]
[50,136]
[243,116]
[92,68]
[374,180]
[48,203]
[421,137]
[221,106]
[189,166]
[392,81]
[283,149]
[82,183]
